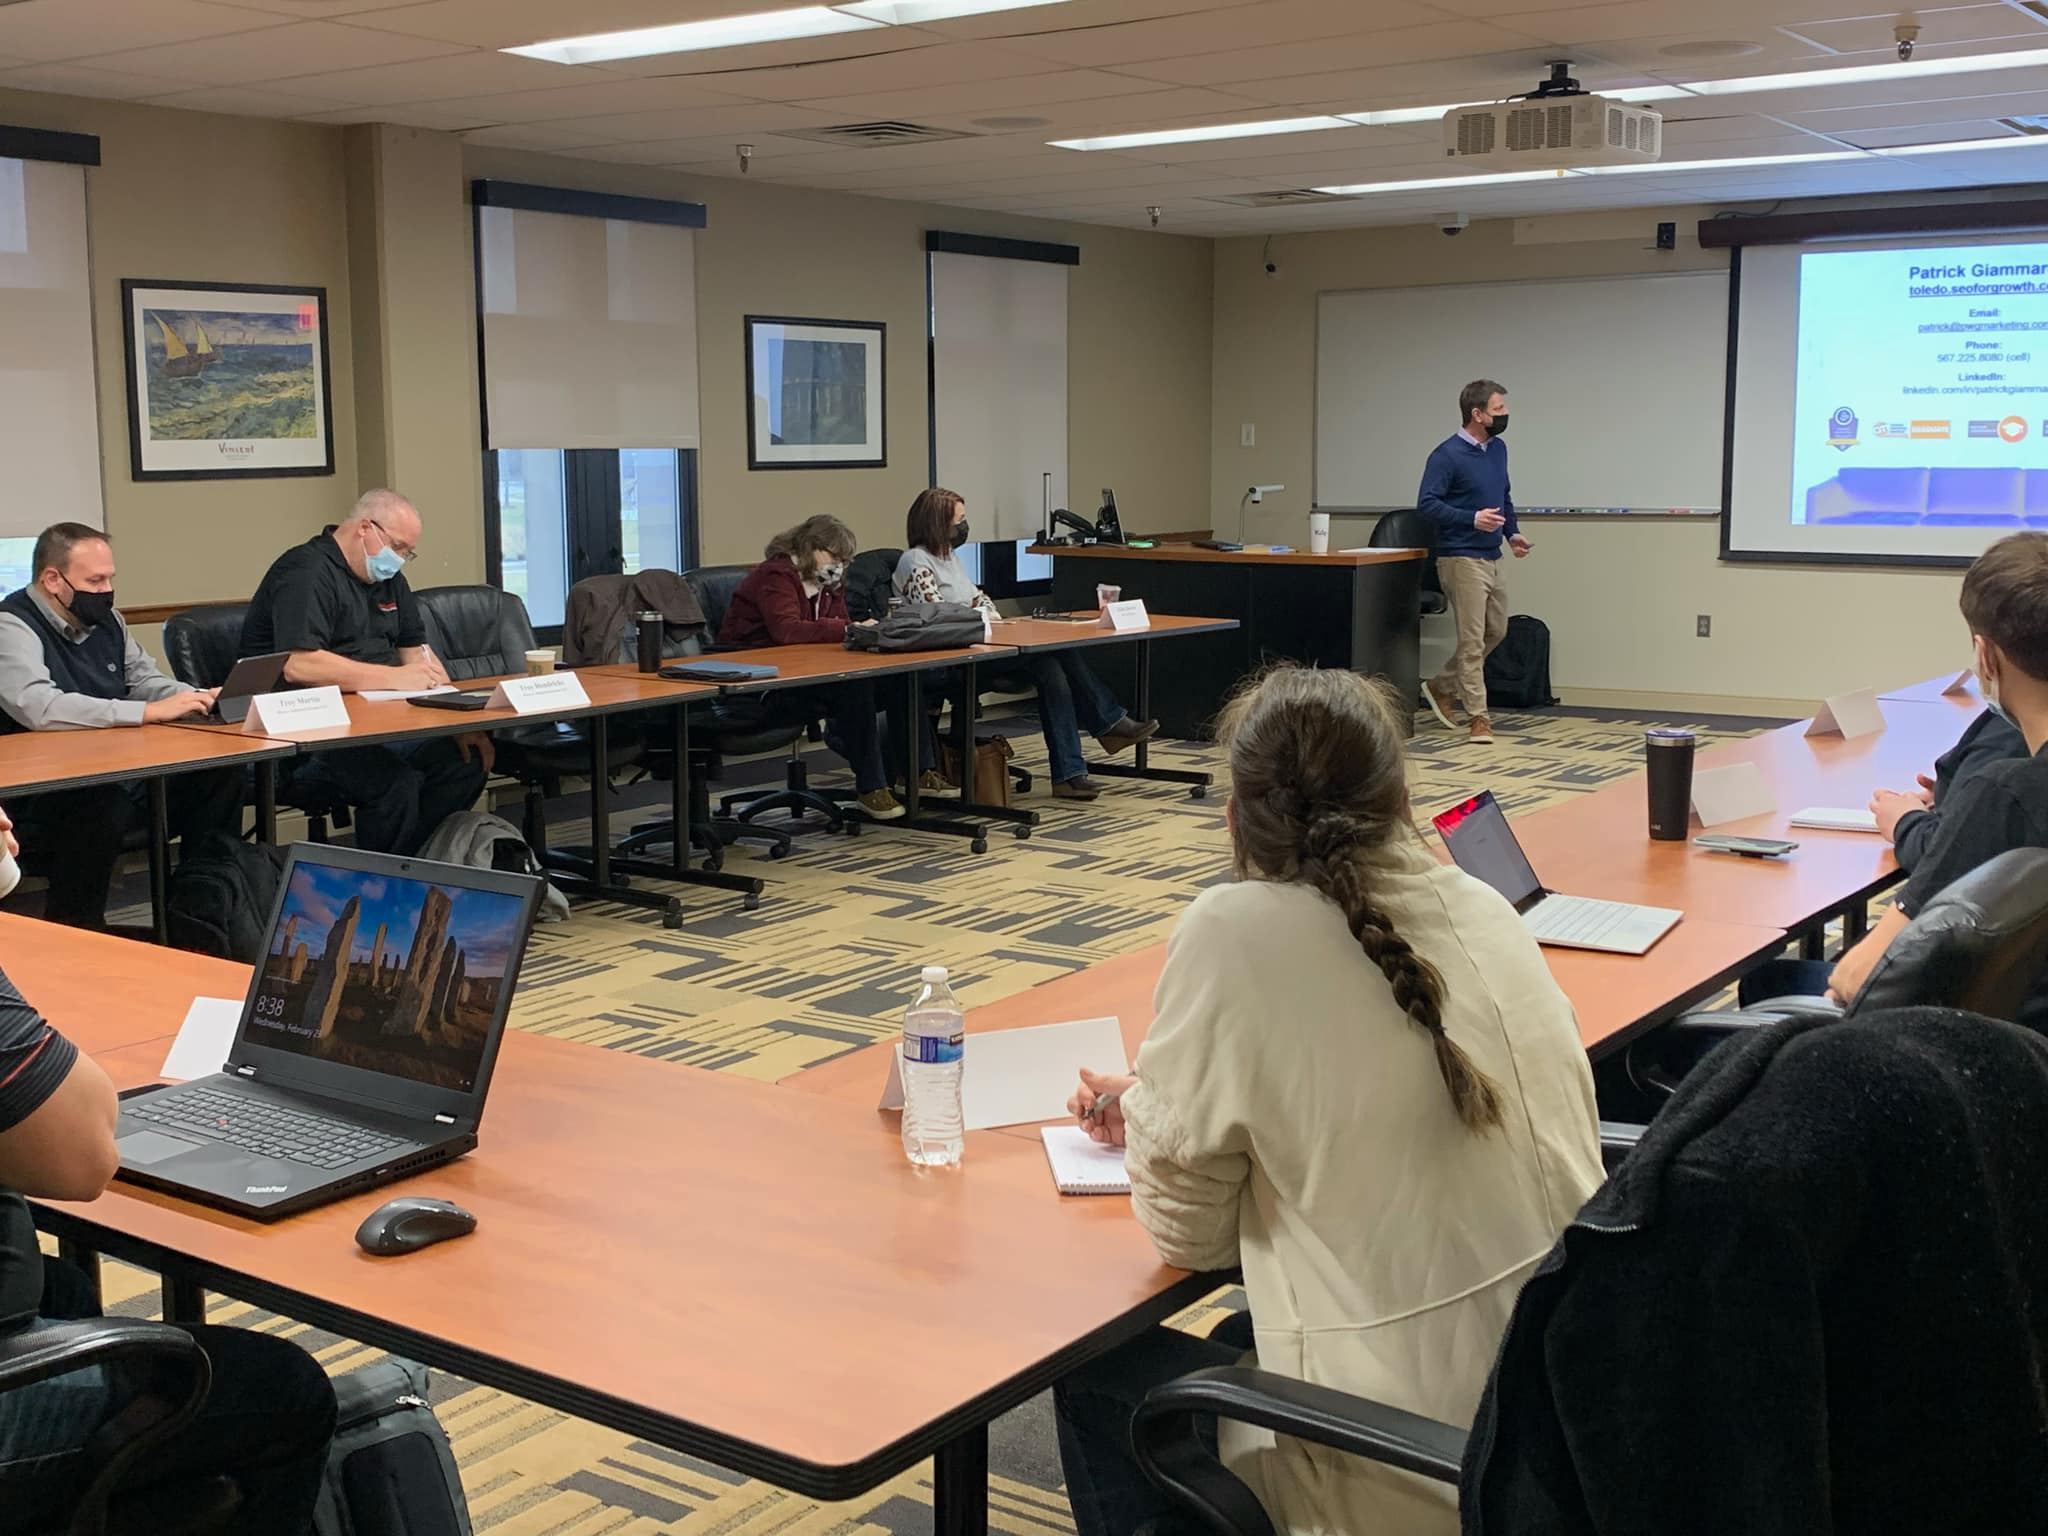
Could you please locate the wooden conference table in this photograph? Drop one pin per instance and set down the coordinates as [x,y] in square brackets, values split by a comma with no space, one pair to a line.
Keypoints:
[751,1276]
[41,762]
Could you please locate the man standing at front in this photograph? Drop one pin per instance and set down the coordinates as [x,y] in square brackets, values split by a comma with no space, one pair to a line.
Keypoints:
[1465,493]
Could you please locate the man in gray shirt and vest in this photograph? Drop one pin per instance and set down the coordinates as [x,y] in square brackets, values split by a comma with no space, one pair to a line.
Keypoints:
[67,663]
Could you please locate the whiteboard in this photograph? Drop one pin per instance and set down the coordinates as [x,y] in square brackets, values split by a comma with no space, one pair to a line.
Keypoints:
[1616,388]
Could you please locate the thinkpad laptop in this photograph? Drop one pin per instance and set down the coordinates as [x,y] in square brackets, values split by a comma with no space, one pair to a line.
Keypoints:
[366,1042]
[251,675]
[1480,840]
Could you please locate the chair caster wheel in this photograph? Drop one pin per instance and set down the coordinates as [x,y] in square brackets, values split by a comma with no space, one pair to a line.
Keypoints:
[751,902]
[979,845]
[672,915]
[1023,834]
[1199,792]
[778,851]
[714,862]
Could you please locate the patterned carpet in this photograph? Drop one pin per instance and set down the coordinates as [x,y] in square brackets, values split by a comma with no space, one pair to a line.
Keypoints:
[824,966]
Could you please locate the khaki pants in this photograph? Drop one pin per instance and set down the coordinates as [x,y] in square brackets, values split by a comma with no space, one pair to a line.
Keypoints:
[1478,596]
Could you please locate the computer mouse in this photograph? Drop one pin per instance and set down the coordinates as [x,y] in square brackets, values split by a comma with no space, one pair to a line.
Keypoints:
[411,1222]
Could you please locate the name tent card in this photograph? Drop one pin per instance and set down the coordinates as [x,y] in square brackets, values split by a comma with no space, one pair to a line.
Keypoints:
[1961,685]
[299,709]
[1732,793]
[1126,615]
[1849,715]
[538,695]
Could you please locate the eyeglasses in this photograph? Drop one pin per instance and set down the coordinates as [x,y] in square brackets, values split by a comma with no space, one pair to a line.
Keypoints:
[405,552]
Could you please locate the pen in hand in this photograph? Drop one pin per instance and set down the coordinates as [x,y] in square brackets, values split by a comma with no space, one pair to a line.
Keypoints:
[1095,1113]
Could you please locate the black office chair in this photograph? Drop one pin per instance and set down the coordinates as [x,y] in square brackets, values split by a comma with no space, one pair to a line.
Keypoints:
[1408,528]
[202,645]
[745,715]
[1756,1154]
[479,631]
[80,1495]
[1981,945]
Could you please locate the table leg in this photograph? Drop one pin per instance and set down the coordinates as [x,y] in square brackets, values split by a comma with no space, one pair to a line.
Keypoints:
[266,802]
[1140,766]
[1855,923]
[184,1300]
[1813,944]
[159,861]
[600,801]
[84,1260]
[913,802]
[679,790]
[964,803]
[960,1485]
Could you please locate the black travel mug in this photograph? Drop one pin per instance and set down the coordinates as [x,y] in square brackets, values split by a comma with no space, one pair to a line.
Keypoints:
[1669,755]
[650,642]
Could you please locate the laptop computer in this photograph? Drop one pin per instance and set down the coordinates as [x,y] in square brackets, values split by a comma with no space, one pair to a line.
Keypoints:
[366,1041]
[1480,840]
[250,676]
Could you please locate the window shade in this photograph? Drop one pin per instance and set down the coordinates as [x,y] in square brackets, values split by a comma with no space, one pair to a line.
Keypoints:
[999,387]
[590,331]
[49,406]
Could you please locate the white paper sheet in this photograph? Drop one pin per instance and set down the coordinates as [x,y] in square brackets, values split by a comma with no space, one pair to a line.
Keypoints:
[204,1039]
[393,695]
[1020,1076]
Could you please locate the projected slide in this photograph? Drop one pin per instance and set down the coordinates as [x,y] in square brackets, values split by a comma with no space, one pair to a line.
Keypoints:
[1922,395]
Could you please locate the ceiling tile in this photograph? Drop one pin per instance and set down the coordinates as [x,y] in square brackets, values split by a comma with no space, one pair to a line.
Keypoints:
[906,69]
[1929,133]
[71,29]
[1947,24]
[982,96]
[695,122]
[1133,111]
[242,101]
[450,76]
[1234,30]
[442,119]
[1892,114]
[607,99]
[1409,45]
[531,136]
[1097,14]
[83,80]
[275,53]
[510,23]
[312,10]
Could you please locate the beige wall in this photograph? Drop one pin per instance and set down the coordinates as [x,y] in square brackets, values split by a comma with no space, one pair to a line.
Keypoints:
[1621,597]
[192,196]
[1138,345]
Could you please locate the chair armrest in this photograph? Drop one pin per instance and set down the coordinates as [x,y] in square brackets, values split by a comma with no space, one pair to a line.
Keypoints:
[1174,1457]
[165,1370]
[1617,1140]
[1735,1021]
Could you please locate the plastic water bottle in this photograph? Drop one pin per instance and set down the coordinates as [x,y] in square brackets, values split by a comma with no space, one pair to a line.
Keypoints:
[933,1028]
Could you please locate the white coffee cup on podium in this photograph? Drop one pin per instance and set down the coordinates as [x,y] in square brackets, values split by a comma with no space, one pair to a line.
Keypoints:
[1319,533]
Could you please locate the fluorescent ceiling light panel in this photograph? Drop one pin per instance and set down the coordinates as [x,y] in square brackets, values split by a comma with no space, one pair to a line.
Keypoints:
[690,36]
[1866,74]
[908,13]
[1731,163]
[1438,183]
[1205,135]
[1970,145]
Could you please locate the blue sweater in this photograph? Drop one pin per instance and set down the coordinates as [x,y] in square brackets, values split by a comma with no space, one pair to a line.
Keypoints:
[1459,480]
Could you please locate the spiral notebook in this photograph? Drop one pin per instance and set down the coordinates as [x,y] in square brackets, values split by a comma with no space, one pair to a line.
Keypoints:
[1081,1166]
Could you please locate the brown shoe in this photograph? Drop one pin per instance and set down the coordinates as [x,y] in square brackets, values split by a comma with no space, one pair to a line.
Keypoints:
[1127,733]
[1442,705]
[935,781]
[1481,731]
[1080,787]
[880,805]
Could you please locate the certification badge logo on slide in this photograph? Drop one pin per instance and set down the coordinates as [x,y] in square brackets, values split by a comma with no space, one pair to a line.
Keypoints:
[2013,429]
[1930,429]
[1842,429]
[1985,428]
[1888,429]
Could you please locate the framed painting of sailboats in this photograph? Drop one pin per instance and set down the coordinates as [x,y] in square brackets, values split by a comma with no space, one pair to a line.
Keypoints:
[226,380]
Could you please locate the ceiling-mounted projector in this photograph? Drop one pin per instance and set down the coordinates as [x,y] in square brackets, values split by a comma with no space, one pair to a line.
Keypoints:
[1558,125]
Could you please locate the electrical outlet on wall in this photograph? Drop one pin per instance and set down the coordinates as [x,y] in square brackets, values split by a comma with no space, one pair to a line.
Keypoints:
[1247,436]
[1704,627]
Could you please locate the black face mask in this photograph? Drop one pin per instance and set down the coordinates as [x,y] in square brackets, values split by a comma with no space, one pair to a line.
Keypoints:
[92,609]
[1498,425]
[960,533]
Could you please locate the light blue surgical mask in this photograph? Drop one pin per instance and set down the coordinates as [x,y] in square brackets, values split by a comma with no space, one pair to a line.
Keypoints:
[384,564]
[1991,703]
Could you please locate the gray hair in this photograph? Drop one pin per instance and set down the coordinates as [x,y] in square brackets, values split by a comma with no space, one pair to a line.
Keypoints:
[374,506]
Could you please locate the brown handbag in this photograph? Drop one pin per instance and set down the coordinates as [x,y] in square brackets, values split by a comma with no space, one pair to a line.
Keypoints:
[991,768]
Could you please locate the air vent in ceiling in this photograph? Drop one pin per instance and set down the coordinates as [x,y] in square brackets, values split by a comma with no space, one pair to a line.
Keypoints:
[2036,125]
[873,135]
[2033,8]
[1292,197]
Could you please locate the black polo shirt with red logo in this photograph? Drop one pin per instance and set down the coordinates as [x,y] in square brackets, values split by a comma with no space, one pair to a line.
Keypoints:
[310,600]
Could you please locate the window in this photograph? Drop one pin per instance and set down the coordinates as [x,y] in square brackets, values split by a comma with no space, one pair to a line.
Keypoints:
[558,515]
[15,558]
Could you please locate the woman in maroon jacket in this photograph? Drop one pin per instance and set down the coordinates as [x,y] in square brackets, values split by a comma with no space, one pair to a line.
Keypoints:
[797,596]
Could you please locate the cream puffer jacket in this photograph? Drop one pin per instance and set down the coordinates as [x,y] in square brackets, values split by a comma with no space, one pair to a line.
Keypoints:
[1290,1117]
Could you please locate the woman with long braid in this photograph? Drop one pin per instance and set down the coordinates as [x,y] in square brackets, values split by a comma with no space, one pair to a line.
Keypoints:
[1361,1084]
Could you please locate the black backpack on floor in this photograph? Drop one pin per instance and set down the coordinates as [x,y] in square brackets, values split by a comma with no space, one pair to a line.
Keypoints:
[1518,671]
[391,1471]
[220,896]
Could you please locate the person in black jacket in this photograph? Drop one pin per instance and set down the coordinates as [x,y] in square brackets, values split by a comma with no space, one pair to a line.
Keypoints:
[1812,1299]
[1910,818]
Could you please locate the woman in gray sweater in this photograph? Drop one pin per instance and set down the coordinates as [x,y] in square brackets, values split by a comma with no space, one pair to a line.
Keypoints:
[1069,694]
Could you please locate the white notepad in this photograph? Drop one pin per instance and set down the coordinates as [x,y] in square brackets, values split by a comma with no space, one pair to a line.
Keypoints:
[1835,819]
[1081,1166]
